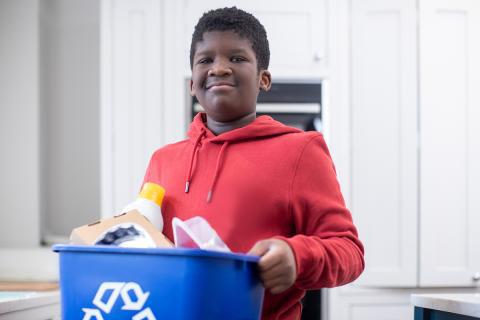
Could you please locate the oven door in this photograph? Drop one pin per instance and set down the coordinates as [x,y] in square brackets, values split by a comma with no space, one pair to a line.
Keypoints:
[304,116]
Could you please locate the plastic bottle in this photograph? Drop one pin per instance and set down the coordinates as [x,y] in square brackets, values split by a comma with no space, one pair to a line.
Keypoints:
[148,203]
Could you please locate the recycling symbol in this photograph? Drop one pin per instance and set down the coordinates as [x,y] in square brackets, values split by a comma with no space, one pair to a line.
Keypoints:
[119,289]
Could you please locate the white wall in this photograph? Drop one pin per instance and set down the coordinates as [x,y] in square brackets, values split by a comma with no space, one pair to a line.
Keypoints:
[70,58]
[19,124]
[49,118]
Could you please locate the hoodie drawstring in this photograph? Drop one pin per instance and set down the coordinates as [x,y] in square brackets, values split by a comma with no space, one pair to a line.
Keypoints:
[194,153]
[217,170]
[260,128]
[217,166]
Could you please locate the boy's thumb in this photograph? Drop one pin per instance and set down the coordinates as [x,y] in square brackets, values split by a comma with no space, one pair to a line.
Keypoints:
[260,248]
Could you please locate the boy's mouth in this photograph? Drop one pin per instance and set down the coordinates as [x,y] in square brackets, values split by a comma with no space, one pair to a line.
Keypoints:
[219,85]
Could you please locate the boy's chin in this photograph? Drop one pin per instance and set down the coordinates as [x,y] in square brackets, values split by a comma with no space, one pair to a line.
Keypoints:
[225,116]
[221,118]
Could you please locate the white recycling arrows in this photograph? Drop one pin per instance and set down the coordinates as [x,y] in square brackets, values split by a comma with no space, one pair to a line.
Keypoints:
[141,297]
[115,287]
[123,290]
[92,314]
[146,314]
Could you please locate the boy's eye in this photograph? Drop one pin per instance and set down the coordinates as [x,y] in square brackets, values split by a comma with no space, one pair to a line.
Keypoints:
[204,60]
[238,59]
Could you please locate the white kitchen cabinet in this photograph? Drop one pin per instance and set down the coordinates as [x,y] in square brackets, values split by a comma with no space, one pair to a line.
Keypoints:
[450,142]
[297,33]
[347,303]
[414,142]
[368,304]
[30,305]
[132,107]
[383,137]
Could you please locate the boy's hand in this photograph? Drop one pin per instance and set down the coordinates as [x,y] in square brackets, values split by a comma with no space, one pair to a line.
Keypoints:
[277,264]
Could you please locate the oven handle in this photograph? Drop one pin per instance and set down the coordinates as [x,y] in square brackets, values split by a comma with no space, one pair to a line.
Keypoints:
[303,108]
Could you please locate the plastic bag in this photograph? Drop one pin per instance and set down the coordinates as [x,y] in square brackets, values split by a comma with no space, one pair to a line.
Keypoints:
[197,233]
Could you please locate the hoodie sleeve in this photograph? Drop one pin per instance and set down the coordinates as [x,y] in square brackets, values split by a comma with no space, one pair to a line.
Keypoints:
[327,250]
[152,173]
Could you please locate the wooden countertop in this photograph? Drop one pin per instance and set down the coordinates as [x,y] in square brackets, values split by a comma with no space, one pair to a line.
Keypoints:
[28,286]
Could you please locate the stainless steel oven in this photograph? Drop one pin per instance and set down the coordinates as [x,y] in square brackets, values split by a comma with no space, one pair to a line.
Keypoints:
[297,104]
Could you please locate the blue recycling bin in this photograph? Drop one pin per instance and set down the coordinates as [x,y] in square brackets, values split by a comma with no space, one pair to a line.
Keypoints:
[107,282]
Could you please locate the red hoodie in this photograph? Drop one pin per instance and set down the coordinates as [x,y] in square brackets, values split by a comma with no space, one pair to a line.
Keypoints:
[261,181]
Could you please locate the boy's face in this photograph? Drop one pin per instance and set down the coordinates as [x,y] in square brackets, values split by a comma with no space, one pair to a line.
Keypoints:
[225,78]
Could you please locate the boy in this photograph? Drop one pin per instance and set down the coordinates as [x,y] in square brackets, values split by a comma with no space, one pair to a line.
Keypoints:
[267,189]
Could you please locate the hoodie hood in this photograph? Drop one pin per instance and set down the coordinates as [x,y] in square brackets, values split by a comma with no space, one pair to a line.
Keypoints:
[261,127]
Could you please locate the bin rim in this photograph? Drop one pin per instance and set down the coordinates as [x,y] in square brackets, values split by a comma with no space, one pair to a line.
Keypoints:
[156,251]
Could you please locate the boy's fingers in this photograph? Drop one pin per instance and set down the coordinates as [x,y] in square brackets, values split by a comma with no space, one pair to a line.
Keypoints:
[260,248]
[277,285]
[273,283]
[278,289]
[275,264]
[270,259]
[273,273]
[271,252]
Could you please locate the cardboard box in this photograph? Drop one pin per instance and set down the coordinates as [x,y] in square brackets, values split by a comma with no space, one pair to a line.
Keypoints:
[91,233]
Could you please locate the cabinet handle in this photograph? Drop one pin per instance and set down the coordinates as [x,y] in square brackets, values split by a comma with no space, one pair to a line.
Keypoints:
[476,276]
[316,57]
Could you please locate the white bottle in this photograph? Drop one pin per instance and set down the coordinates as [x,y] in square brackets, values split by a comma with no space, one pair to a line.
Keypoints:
[148,203]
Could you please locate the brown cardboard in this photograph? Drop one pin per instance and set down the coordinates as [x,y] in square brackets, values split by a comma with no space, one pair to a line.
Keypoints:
[89,233]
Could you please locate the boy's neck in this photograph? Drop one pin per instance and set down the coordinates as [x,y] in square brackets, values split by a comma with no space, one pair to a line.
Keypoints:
[220,127]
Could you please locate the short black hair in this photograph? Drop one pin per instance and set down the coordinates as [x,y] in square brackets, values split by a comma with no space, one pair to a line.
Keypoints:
[238,21]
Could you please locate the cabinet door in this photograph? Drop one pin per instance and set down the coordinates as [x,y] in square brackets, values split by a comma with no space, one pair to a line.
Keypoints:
[383,186]
[450,142]
[296,30]
[131,113]
[369,304]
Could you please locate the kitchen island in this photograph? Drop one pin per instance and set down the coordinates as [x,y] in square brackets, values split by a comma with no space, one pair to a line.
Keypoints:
[446,306]
[31,305]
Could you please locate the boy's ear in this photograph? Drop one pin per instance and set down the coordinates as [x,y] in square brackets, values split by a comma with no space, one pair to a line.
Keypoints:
[192,89]
[265,80]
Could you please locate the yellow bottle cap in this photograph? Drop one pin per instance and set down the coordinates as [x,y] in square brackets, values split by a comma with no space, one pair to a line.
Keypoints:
[152,192]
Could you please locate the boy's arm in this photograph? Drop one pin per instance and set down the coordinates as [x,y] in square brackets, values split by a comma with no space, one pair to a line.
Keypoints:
[326,248]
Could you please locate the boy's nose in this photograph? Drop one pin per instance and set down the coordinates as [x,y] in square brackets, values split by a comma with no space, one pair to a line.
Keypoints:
[219,69]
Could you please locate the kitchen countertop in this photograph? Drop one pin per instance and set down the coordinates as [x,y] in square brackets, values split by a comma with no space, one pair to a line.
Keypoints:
[29,300]
[467,304]
[11,301]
